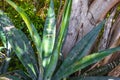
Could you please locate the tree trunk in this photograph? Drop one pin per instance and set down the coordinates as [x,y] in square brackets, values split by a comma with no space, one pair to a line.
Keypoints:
[85,15]
[113,42]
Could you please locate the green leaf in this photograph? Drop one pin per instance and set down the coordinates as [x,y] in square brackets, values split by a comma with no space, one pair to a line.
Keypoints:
[79,50]
[21,73]
[2,33]
[24,51]
[95,78]
[2,55]
[90,59]
[21,46]
[102,70]
[9,77]
[33,32]
[49,34]
[59,40]
[4,65]
[1,48]
[3,36]
[18,73]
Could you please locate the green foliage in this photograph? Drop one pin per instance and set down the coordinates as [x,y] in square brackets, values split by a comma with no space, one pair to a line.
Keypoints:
[17,39]
[102,70]
[14,75]
[49,46]
[79,51]
[49,34]
[95,78]
[29,9]
[59,40]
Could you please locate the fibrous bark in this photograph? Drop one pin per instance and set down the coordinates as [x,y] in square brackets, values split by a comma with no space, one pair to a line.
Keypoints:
[107,29]
[85,15]
[115,72]
[114,41]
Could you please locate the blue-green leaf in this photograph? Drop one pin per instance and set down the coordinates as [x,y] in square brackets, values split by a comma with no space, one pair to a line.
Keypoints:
[3,36]
[49,34]
[21,46]
[9,77]
[18,73]
[33,32]
[1,48]
[79,50]
[59,40]
[87,60]
[95,78]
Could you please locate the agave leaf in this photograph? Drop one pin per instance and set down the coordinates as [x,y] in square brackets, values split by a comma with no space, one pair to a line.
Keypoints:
[18,73]
[20,45]
[9,77]
[90,59]
[102,70]
[49,34]
[79,50]
[1,48]
[22,74]
[59,40]
[2,55]
[4,58]
[5,63]
[33,32]
[2,37]
[95,78]
[23,51]
[2,34]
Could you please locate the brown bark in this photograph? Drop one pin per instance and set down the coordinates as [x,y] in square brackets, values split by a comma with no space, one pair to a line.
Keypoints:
[84,17]
[114,41]
[110,39]
[115,72]
[106,34]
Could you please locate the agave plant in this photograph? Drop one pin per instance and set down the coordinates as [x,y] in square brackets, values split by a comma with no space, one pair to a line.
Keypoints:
[43,66]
